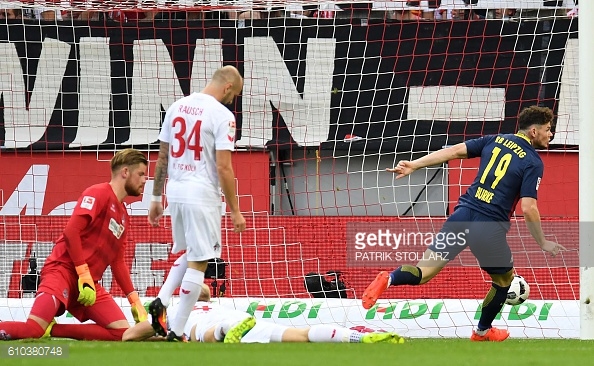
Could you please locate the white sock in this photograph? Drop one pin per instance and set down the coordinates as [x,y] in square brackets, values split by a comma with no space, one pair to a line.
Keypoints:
[330,333]
[189,292]
[174,279]
[481,332]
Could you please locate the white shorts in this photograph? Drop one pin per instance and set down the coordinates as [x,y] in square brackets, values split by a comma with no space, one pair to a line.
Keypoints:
[264,332]
[197,229]
[205,320]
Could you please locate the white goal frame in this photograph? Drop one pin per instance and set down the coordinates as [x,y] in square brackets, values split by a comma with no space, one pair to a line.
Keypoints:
[586,173]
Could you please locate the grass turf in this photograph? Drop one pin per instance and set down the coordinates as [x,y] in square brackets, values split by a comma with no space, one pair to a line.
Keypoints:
[414,351]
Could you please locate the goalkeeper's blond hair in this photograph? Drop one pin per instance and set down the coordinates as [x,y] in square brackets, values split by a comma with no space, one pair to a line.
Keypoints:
[127,157]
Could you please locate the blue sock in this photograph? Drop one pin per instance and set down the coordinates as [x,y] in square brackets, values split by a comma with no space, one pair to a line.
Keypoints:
[492,306]
[406,275]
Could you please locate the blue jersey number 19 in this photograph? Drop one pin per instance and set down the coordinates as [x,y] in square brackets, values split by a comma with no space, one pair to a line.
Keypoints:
[501,168]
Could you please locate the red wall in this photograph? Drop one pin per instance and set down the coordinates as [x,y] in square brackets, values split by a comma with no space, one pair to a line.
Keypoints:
[71,172]
[272,259]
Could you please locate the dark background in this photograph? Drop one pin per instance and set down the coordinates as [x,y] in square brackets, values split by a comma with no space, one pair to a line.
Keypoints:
[374,65]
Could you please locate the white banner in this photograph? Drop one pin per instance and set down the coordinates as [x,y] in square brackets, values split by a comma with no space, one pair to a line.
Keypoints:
[410,318]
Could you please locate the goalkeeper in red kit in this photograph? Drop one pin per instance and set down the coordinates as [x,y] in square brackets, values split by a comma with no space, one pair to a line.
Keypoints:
[93,239]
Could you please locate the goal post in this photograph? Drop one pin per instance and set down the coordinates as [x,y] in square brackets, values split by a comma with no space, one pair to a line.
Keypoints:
[330,100]
[586,203]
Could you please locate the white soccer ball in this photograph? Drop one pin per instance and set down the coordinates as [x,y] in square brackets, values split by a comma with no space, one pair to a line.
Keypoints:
[518,291]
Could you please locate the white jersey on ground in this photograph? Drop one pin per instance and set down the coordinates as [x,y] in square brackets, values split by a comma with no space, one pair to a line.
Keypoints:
[206,315]
[195,127]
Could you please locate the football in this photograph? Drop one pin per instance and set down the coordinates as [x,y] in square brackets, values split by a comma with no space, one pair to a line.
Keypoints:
[518,291]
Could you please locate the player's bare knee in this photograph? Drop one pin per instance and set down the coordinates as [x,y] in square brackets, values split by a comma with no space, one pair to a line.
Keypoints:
[431,264]
[426,278]
[428,273]
[509,277]
[504,279]
[295,335]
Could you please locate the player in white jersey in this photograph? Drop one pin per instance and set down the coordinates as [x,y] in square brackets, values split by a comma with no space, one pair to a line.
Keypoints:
[196,141]
[210,323]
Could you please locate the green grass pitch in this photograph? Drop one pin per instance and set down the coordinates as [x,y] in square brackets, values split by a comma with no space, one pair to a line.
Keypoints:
[424,352]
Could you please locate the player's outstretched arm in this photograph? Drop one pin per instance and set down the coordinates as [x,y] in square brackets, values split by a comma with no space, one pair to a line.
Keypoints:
[532,217]
[406,167]
[227,181]
[156,206]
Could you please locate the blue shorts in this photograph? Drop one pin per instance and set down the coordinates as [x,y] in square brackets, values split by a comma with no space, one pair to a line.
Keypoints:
[486,238]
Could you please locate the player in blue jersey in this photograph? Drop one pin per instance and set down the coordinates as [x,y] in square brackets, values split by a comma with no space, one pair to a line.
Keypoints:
[510,170]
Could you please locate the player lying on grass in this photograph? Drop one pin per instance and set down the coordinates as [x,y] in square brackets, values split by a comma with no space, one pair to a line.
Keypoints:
[510,170]
[211,323]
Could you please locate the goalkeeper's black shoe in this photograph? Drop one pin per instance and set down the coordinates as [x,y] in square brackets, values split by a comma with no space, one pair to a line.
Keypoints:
[172,337]
[159,317]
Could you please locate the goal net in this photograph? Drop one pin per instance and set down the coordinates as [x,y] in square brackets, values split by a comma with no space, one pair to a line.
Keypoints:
[334,93]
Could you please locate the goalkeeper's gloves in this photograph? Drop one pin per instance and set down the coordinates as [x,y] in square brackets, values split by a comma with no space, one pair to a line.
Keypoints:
[86,286]
[138,310]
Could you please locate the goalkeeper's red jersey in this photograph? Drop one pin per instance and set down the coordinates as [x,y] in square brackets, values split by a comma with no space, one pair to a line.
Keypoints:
[103,240]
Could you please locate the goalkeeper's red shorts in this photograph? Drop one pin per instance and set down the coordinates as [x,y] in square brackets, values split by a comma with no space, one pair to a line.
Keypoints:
[64,287]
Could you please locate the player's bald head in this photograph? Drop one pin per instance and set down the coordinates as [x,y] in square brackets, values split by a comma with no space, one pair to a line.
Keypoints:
[228,74]
[225,85]
[204,293]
